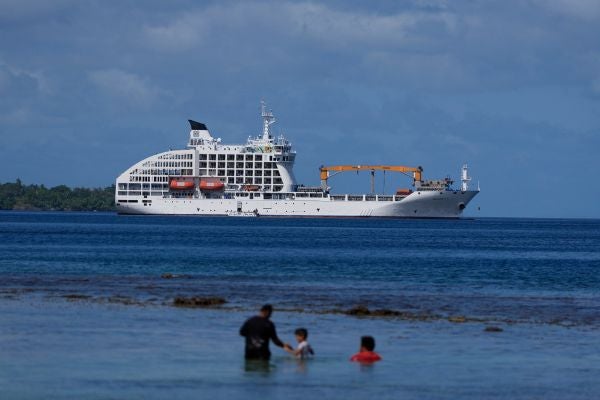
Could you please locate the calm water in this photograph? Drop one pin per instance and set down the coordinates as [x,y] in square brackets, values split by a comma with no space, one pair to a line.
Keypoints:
[85,313]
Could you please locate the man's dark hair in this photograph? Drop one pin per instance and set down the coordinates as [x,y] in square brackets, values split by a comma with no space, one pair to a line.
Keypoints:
[267,308]
[302,332]
[368,342]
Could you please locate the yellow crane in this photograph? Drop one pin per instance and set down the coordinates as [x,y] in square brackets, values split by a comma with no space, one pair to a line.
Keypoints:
[328,172]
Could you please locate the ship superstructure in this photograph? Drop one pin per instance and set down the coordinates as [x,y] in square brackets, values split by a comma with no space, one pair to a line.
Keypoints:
[256,178]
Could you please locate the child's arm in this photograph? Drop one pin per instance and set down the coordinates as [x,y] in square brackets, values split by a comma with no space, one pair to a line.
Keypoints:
[291,350]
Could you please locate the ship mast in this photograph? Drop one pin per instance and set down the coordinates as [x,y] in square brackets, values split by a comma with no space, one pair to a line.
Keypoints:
[268,120]
[465,178]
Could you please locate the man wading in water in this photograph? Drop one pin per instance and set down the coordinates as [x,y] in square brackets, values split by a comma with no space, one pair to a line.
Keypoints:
[258,330]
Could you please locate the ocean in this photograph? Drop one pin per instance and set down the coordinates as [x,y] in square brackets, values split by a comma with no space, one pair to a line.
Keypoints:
[460,309]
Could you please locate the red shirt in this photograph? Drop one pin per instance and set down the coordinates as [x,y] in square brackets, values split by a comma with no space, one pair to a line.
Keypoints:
[366,357]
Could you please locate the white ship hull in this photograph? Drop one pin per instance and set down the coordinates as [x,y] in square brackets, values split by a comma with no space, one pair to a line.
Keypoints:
[426,204]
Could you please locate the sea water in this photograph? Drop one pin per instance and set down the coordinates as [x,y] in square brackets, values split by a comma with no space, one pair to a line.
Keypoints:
[86,306]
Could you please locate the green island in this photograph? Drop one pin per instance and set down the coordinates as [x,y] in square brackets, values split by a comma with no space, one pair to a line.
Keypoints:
[17,196]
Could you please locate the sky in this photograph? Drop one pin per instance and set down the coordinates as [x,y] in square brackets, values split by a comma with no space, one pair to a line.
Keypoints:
[88,88]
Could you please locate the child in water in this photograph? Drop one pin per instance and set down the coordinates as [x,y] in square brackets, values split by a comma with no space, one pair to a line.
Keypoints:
[366,355]
[303,351]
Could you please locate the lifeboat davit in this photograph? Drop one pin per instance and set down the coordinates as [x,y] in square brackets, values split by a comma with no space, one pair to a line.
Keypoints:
[181,185]
[211,184]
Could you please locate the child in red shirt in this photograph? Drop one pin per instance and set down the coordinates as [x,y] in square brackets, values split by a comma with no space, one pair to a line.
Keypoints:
[366,354]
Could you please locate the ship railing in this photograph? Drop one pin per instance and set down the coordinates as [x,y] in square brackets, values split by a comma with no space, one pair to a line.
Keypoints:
[363,197]
[352,197]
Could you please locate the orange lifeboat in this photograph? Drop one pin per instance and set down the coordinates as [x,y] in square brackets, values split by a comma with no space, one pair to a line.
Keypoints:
[403,192]
[211,184]
[181,185]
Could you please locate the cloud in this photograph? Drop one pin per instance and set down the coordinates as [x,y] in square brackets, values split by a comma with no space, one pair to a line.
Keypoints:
[16,116]
[181,34]
[596,86]
[299,20]
[371,30]
[432,45]
[18,80]
[126,86]
[21,91]
[582,9]
[15,10]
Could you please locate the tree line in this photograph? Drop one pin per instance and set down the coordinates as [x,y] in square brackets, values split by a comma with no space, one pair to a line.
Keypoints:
[16,196]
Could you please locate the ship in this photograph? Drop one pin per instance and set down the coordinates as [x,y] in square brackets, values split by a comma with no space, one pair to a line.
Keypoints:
[210,178]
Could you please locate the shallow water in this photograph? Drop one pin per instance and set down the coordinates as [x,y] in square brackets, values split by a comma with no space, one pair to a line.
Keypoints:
[118,335]
[75,350]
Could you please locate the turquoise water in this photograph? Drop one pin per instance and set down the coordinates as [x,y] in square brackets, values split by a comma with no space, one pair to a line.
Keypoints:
[85,313]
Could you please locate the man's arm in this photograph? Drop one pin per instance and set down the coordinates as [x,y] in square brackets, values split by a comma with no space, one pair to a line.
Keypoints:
[244,329]
[274,337]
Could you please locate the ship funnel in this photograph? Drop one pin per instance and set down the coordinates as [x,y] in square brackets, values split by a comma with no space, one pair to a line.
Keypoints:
[197,126]
[199,134]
